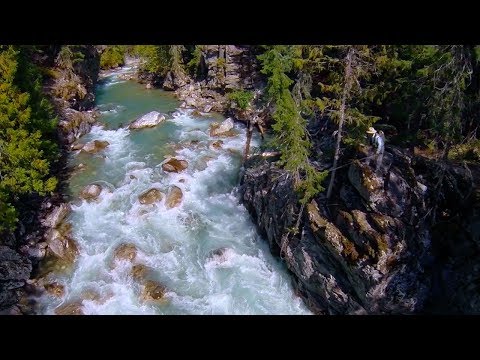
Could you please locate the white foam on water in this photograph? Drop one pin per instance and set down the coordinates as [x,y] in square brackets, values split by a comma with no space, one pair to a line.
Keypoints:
[206,252]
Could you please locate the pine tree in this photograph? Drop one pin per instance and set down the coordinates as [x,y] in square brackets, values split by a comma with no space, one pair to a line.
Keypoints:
[25,125]
[289,127]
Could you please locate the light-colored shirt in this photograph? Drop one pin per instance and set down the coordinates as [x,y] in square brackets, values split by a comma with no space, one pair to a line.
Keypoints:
[378,142]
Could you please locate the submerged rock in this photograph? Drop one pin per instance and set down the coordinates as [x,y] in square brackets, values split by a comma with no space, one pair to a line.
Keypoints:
[174,165]
[81,166]
[150,196]
[125,252]
[94,146]
[91,192]
[139,272]
[153,291]
[72,308]
[55,289]
[77,146]
[174,197]
[220,255]
[95,296]
[150,119]
[196,113]
[217,144]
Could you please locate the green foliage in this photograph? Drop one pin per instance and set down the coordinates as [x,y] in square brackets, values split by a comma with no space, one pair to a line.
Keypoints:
[26,133]
[429,94]
[194,64]
[113,56]
[176,55]
[158,58]
[467,151]
[241,98]
[69,56]
[8,215]
[289,127]
[448,77]
[221,63]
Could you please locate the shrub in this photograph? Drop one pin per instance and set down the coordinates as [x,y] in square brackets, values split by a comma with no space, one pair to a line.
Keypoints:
[241,98]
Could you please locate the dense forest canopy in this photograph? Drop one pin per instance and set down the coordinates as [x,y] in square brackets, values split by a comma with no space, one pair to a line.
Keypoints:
[27,132]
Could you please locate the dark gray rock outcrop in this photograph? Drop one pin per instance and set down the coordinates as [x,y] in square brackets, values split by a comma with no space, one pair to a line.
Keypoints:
[15,269]
[377,250]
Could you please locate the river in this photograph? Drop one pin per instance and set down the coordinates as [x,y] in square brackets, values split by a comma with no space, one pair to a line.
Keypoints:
[206,252]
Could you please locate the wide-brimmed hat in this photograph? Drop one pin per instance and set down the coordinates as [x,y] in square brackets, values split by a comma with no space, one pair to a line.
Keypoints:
[371,130]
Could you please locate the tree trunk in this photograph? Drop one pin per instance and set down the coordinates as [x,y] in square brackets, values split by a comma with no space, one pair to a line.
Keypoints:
[249,138]
[260,128]
[346,88]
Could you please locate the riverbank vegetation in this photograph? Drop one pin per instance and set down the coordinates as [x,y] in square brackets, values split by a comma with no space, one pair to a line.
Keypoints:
[28,144]
[425,97]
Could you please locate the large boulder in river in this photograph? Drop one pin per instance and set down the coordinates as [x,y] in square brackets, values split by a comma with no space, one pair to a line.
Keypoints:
[61,244]
[222,129]
[174,165]
[91,192]
[153,291]
[174,197]
[140,271]
[94,146]
[125,252]
[150,196]
[77,146]
[151,119]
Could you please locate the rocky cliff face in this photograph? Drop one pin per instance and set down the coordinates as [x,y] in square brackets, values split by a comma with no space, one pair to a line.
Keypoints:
[374,250]
[222,68]
[73,90]
[230,67]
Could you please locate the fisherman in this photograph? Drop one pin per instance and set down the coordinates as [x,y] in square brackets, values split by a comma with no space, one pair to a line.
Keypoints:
[377,140]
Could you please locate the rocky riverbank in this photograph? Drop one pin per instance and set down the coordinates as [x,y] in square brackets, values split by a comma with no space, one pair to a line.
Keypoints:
[223,69]
[41,231]
[400,241]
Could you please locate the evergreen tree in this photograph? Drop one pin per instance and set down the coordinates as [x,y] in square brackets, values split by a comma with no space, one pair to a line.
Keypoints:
[26,122]
[289,127]
[113,56]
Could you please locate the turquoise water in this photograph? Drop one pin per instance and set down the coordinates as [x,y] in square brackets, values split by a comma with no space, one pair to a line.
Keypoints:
[177,244]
